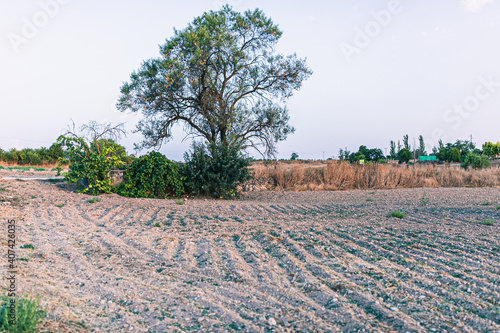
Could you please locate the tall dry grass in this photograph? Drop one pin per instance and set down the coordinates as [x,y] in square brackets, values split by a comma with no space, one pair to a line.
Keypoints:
[336,175]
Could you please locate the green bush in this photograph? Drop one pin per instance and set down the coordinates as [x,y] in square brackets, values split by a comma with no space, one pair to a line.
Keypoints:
[151,176]
[475,161]
[90,164]
[28,313]
[404,155]
[214,170]
[397,214]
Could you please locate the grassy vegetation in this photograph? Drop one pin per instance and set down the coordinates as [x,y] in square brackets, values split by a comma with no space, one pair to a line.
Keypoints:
[94,200]
[60,205]
[370,199]
[397,214]
[489,221]
[498,207]
[336,175]
[485,204]
[28,314]
[424,201]
[179,201]
[27,246]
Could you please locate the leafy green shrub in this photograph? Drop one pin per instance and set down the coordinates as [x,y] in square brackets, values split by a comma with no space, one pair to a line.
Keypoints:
[214,170]
[404,155]
[475,161]
[397,214]
[93,200]
[90,164]
[28,313]
[27,246]
[151,176]
[498,207]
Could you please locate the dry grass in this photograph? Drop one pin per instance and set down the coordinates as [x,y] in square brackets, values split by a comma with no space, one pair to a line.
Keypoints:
[336,175]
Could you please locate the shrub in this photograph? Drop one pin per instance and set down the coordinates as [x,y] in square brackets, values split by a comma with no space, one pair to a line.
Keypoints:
[151,176]
[214,170]
[90,164]
[404,155]
[397,214]
[489,222]
[475,161]
[28,313]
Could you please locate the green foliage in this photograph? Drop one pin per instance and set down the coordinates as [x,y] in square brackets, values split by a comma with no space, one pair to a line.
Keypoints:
[294,156]
[222,79]
[366,154]
[30,156]
[475,161]
[28,314]
[151,176]
[491,149]
[397,213]
[214,170]
[454,152]
[90,164]
[404,155]
[60,205]
[94,200]
[370,199]
[179,202]
[489,221]
[420,151]
[392,151]
[424,200]
[27,246]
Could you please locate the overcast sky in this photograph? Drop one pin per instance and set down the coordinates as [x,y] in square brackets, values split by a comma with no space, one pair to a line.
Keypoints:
[382,69]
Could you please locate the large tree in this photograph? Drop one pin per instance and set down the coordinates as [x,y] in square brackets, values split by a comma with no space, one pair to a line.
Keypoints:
[222,79]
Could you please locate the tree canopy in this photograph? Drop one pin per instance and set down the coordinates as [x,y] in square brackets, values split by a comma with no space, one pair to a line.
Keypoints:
[222,79]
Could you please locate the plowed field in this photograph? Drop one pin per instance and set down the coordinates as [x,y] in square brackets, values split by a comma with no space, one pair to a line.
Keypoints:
[282,261]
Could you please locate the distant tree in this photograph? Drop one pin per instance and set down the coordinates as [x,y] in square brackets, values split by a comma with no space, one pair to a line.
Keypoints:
[404,155]
[475,161]
[421,147]
[392,152]
[454,152]
[405,142]
[367,154]
[491,149]
[294,156]
[222,79]
[344,154]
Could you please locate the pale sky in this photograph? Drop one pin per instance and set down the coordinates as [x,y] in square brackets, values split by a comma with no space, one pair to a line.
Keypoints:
[382,69]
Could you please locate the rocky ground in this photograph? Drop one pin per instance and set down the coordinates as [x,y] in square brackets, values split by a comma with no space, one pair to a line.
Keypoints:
[269,261]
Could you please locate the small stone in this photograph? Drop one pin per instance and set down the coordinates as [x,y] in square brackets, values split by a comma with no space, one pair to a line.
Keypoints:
[262,318]
[201,319]
[394,309]
[271,321]
[131,328]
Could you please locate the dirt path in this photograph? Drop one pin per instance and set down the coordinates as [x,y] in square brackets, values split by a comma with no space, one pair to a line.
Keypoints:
[310,261]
